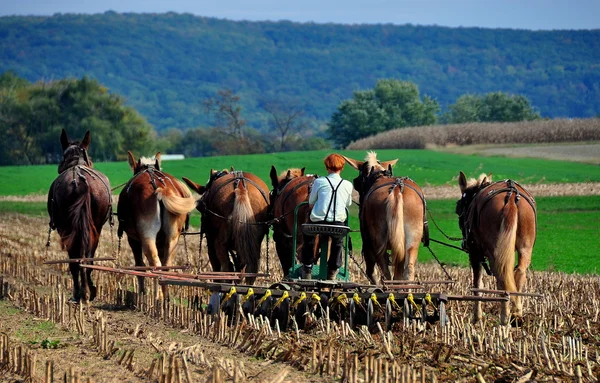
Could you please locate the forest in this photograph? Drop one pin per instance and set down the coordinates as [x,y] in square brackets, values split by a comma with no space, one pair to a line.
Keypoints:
[165,65]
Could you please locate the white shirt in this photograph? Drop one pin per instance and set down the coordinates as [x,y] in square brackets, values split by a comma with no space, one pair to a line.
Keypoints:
[321,196]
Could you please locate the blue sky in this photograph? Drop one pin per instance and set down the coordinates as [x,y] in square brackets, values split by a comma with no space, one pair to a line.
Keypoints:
[520,14]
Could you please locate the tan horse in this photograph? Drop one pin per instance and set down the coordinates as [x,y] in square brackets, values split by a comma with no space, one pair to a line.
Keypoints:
[290,188]
[392,217]
[79,204]
[495,222]
[153,209]
[234,207]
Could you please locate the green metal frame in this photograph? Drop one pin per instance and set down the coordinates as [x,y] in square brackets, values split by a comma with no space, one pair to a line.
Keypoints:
[319,271]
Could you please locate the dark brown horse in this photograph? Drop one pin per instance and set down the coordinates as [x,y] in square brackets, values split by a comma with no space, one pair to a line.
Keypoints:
[495,222]
[392,217]
[153,209]
[79,204]
[234,207]
[290,188]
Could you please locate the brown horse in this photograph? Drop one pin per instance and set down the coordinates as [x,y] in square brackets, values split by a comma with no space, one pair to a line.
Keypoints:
[153,209]
[494,224]
[290,188]
[79,204]
[392,217]
[234,207]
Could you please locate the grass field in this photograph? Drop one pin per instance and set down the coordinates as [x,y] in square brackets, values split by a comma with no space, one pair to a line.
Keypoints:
[568,232]
[424,166]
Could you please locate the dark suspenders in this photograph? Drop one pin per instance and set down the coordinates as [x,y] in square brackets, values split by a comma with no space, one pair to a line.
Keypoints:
[333,198]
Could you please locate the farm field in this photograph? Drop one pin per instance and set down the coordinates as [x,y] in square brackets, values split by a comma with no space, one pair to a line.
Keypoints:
[137,340]
[426,167]
[113,341]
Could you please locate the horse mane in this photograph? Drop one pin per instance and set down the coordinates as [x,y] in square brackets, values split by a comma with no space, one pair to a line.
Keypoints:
[482,181]
[293,173]
[372,162]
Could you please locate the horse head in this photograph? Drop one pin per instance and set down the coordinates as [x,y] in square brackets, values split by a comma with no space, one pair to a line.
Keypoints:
[369,170]
[469,189]
[144,163]
[74,152]
[279,181]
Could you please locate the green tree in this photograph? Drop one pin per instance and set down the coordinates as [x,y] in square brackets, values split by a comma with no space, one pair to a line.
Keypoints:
[32,116]
[491,107]
[391,104]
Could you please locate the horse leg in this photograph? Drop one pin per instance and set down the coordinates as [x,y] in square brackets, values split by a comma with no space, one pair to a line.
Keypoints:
[212,253]
[88,274]
[74,268]
[477,267]
[410,260]
[521,277]
[382,261]
[138,256]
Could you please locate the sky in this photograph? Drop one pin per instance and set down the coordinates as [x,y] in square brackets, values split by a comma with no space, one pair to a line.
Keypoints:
[514,14]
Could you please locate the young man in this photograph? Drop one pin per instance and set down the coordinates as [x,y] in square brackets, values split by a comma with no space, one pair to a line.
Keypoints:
[329,196]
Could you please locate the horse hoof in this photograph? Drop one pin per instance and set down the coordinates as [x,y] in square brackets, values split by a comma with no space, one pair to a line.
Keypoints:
[93,291]
[74,300]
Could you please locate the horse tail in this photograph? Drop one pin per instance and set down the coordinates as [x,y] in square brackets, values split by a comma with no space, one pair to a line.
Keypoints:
[504,253]
[244,230]
[83,228]
[394,210]
[176,204]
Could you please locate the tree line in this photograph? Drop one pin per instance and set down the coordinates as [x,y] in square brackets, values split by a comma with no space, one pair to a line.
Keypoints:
[165,65]
[32,116]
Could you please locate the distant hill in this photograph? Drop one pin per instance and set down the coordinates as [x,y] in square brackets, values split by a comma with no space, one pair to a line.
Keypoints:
[166,64]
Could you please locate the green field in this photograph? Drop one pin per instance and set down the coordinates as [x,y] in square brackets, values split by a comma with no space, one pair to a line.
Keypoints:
[568,232]
[424,166]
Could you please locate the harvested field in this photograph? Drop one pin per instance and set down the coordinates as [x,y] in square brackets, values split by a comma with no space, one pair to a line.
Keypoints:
[122,337]
[588,153]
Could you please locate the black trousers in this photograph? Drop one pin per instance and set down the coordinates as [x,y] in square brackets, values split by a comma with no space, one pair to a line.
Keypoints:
[335,254]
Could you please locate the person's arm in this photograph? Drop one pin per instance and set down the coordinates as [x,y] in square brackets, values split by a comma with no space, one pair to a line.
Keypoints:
[351,188]
[314,192]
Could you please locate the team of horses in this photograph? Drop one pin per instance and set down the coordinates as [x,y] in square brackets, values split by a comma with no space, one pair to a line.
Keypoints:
[237,209]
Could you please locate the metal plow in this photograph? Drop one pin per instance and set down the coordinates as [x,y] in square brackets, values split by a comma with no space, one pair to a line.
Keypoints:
[301,302]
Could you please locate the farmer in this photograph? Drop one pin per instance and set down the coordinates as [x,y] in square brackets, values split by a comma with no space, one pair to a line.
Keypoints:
[329,196]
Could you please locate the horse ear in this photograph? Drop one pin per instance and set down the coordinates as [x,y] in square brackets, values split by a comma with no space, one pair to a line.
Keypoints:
[354,163]
[232,169]
[87,139]
[389,168]
[273,175]
[302,171]
[212,172]
[462,182]
[288,175]
[64,140]
[157,161]
[131,160]
[194,186]
[388,164]
[489,177]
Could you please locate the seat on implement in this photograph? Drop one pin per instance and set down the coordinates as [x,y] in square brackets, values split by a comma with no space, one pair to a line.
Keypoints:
[337,231]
